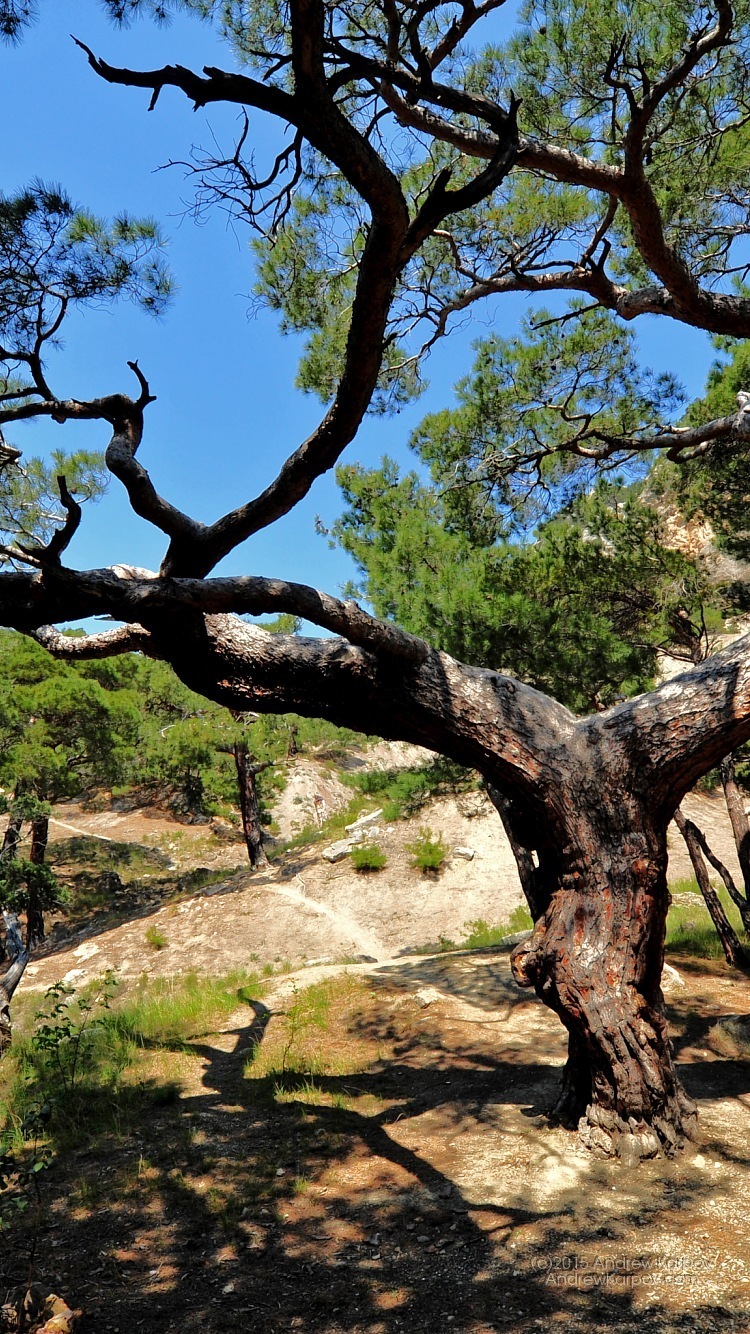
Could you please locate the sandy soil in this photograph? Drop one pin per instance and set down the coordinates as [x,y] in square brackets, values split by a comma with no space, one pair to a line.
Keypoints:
[408,1184]
[303,909]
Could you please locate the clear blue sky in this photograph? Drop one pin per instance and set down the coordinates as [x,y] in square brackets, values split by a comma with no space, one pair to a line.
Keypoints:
[227,412]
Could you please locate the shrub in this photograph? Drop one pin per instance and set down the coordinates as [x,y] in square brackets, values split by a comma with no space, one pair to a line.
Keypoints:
[368,857]
[156,938]
[427,853]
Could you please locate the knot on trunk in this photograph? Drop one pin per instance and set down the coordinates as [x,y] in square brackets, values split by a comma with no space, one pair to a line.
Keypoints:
[525,959]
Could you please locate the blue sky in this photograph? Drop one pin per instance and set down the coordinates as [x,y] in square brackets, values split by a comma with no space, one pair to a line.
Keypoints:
[227,412]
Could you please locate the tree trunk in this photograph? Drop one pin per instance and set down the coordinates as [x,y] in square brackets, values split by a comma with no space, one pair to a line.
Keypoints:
[740,829]
[537,866]
[595,957]
[19,954]
[735,955]
[12,837]
[34,910]
[249,811]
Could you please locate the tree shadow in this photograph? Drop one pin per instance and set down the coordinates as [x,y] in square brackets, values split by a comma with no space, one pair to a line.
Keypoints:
[314,1202]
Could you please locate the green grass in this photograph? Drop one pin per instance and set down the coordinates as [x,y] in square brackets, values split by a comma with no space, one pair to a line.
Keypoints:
[156,938]
[690,930]
[368,857]
[403,792]
[121,1070]
[427,852]
[331,829]
[480,935]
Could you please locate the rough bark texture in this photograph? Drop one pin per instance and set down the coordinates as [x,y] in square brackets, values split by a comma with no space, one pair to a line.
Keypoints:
[19,954]
[740,829]
[247,773]
[596,958]
[695,843]
[37,855]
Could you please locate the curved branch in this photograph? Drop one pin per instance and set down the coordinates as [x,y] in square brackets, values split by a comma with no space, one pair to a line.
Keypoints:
[683,728]
[110,643]
[51,553]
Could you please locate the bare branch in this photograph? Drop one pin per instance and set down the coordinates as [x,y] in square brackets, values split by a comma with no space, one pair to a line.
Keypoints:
[62,537]
[124,639]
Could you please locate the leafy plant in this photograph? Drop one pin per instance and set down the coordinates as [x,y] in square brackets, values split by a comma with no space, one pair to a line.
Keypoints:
[427,852]
[368,857]
[156,938]
[66,1024]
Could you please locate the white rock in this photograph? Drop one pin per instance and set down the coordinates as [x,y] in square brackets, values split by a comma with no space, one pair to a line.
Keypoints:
[337,851]
[427,996]
[364,821]
[671,977]
[86,951]
[364,835]
[468,854]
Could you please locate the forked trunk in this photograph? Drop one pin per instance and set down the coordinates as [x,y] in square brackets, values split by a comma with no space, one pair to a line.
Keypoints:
[696,843]
[741,832]
[595,958]
[249,808]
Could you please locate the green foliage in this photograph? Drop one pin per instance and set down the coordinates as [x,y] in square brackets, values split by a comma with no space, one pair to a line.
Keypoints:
[24,1156]
[480,935]
[403,792]
[63,734]
[579,612]
[21,879]
[309,1009]
[83,1062]
[30,508]
[716,486]
[53,253]
[66,1028]
[368,857]
[427,852]
[156,938]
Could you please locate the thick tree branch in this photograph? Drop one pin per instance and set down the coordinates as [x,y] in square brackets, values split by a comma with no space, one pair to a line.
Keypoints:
[682,729]
[107,644]
[62,537]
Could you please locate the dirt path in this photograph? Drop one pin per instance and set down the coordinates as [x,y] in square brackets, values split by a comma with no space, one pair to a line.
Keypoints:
[400,1178]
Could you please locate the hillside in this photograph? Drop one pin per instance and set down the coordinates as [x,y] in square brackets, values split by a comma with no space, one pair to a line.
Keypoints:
[189,885]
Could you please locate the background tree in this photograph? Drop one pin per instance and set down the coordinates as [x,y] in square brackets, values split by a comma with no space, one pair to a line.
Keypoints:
[619,176]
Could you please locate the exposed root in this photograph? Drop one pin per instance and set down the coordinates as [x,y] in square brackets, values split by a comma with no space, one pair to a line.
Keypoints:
[607,1134]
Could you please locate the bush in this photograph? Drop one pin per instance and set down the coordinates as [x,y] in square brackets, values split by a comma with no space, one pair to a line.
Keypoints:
[156,938]
[368,857]
[403,792]
[427,853]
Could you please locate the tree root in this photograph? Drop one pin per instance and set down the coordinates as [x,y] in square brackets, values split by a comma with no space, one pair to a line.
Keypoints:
[607,1134]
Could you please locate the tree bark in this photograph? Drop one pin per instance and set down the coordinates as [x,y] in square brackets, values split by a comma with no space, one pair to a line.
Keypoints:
[595,957]
[34,909]
[249,809]
[19,954]
[12,837]
[733,951]
[740,828]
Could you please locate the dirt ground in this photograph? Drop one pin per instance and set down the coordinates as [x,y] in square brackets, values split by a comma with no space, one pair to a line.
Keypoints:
[303,909]
[398,1174]
[402,1177]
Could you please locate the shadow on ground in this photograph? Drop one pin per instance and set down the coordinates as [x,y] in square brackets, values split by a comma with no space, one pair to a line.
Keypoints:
[421,1193]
